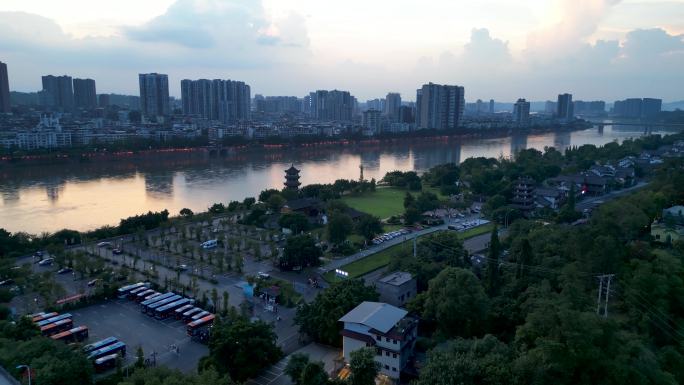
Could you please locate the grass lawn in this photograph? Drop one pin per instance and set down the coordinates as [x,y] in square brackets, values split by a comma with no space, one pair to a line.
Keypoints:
[383,203]
[370,263]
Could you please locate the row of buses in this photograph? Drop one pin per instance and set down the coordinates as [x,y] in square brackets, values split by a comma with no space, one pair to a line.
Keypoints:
[170,305]
[59,327]
[104,353]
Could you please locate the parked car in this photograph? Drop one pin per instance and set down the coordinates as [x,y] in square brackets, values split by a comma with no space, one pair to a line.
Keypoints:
[46,261]
[6,282]
[65,270]
[93,282]
[38,254]
[182,267]
[117,251]
[263,275]
[104,244]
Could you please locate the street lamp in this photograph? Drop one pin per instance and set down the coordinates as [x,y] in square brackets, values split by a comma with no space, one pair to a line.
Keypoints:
[28,370]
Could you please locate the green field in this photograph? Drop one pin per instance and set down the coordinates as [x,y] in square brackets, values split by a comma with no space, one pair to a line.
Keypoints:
[383,203]
[475,231]
[370,263]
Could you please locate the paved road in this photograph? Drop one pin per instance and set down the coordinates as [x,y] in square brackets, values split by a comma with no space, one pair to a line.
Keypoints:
[332,265]
[592,202]
[275,375]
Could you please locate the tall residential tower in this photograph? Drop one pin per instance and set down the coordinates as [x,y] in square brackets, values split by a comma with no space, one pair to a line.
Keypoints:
[154,95]
[4,89]
[439,106]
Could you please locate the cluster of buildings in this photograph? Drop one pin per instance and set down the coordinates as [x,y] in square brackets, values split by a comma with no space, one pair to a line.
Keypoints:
[598,180]
[218,109]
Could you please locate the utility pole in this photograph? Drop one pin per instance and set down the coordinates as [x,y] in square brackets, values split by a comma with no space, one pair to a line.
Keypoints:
[415,253]
[601,278]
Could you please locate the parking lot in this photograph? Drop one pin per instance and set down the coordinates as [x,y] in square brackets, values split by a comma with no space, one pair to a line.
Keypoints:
[123,320]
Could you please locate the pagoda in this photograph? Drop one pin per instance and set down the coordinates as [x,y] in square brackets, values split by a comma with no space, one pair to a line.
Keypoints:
[292,178]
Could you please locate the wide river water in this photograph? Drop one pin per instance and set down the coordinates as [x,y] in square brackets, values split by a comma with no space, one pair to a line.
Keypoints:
[86,196]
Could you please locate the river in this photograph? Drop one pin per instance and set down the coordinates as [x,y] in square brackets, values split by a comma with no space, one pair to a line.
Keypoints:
[86,196]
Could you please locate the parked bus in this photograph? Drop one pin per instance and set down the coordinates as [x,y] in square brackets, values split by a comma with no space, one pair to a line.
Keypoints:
[78,334]
[188,314]
[99,344]
[107,350]
[179,312]
[133,293]
[102,364]
[140,296]
[199,315]
[36,314]
[195,326]
[54,319]
[164,311]
[143,304]
[123,291]
[57,327]
[210,244]
[43,316]
[153,306]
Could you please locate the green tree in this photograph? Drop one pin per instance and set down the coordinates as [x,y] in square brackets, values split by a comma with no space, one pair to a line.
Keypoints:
[411,215]
[456,302]
[339,228]
[233,344]
[186,212]
[226,304]
[297,222]
[493,273]
[139,357]
[300,251]
[363,367]
[295,366]
[318,318]
[409,200]
[314,374]
[368,226]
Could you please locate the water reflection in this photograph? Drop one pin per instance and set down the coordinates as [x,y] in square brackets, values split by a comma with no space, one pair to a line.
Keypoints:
[88,195]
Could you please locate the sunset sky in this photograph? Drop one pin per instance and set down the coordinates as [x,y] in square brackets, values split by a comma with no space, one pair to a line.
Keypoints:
[595,49]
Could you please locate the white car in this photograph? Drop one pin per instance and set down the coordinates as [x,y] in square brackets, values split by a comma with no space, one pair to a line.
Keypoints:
[263,275]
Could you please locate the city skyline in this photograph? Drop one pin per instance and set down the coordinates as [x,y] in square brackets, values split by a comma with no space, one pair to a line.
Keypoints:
[595,49]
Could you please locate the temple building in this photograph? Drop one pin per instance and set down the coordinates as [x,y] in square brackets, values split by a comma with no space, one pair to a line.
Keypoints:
[292,178]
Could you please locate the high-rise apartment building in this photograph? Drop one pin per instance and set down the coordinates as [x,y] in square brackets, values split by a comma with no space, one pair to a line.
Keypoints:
[154,95]
[334,105]
[521,113]
[58,92]
[651,108]
[439,106]
[4,89]
[85,95]
[596,107]
[371,121]
[224,100]
[392,104]
[565,108]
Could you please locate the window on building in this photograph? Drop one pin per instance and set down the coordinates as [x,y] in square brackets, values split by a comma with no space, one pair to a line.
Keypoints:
[387,354]
[387,367]
[394,369]
[378,351]
[378,338]
[394,355]
[387,339]
[394,342]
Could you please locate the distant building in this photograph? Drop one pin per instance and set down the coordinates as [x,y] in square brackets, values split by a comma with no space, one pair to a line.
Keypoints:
[58,92]
[491,106]
[4,89]
[292,178]
[628,108]
[439,106]
[521,113]
[676,213]
[397,288]
[154,95]
[278,104]
[103,100]
[85,96]
[550,107]
[334,105]
[387,329]
[392,105]
[371,121]
[407,114]
[650,108]
[564,108]
[375,104]
[592,108]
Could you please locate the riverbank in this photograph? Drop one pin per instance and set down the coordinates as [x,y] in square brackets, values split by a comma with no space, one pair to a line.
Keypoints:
[428,136]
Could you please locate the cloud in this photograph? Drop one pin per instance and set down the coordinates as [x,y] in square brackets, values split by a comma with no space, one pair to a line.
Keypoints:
[579,19]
